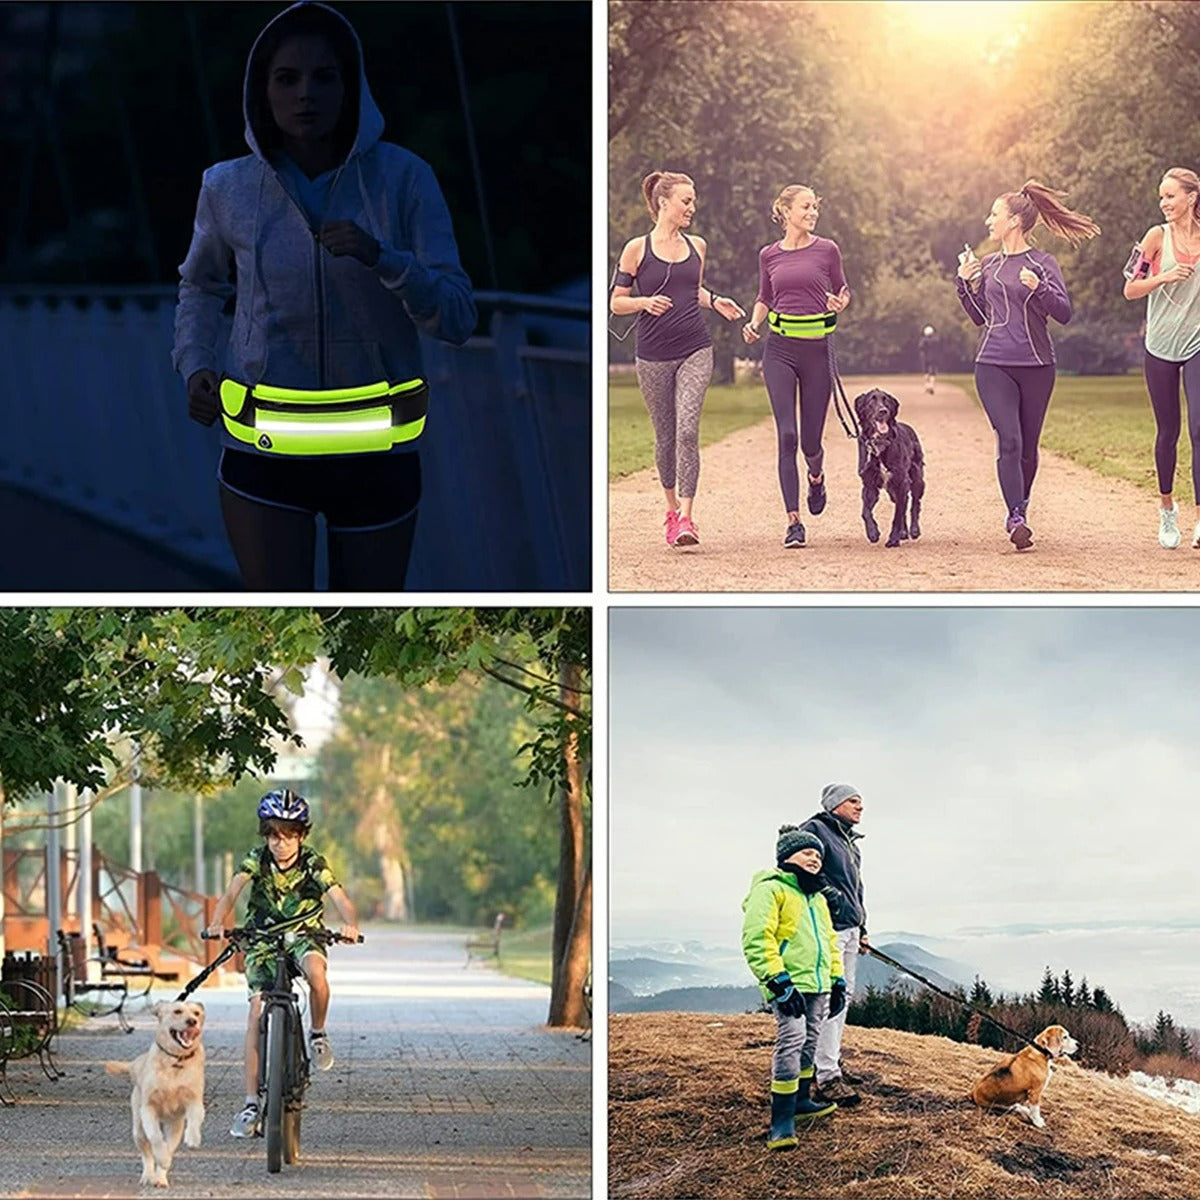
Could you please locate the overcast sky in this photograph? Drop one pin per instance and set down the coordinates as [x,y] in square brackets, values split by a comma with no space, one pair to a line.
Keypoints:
[1016,765]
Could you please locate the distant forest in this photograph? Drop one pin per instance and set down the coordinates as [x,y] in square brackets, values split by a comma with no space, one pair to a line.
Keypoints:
[1107,1042]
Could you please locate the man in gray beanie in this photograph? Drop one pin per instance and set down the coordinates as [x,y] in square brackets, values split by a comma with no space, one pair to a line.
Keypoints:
[841,810]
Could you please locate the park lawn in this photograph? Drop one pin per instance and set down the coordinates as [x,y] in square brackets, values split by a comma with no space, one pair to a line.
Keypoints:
[727,408]
[525,954]
[1102,422]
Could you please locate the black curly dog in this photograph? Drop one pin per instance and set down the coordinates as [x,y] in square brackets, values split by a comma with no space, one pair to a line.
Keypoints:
[889,456]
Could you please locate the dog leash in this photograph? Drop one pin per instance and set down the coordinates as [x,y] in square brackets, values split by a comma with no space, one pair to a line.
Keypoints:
[841,406]
[899,966]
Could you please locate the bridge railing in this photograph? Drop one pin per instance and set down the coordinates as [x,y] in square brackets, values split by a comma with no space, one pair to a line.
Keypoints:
[94,418]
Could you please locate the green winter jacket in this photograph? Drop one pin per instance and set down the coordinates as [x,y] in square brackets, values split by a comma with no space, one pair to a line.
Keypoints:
[785,930]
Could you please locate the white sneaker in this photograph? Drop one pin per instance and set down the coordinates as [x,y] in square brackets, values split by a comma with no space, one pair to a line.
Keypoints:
[1168,527]
[245,1123]
[322,1052]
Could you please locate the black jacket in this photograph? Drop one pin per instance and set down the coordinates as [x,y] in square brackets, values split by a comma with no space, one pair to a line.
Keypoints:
[841,866]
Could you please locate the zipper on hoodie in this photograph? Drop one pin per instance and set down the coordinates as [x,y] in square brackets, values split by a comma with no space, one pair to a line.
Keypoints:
[320,312]
[816,938]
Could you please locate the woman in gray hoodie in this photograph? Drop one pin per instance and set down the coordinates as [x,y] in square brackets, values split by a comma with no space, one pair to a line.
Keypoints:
[338,248]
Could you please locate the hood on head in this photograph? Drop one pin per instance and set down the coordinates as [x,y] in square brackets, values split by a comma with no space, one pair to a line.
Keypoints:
[369,120]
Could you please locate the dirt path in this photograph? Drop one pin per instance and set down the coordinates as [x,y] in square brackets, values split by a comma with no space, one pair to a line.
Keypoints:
[1091,534]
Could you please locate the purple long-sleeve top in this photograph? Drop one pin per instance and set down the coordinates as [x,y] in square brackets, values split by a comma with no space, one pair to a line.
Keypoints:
[1014,317]
[795,281]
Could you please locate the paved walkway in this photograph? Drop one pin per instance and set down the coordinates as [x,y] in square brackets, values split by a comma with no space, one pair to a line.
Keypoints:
[446,1084]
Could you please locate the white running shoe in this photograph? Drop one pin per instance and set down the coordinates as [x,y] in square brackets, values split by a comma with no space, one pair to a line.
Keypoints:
[1168,527]
[322,1052]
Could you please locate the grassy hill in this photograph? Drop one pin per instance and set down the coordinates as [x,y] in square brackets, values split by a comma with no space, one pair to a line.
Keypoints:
[688,1110]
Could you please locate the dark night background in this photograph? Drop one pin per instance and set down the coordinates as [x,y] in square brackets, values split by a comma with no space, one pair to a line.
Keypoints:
[109,113]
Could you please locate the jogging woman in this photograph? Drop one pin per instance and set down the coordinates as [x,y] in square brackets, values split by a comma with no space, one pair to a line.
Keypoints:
[343,250]
[1163,269]
[801,288]
[674,358]
[1013,293]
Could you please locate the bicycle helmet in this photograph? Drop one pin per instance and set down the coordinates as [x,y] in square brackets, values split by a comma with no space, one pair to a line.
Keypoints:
[284,805]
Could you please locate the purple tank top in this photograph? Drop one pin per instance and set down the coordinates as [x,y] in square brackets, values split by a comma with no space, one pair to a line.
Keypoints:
[681,330]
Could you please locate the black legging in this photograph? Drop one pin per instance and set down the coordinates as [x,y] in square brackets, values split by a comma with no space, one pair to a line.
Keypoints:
[1015,400]
[786,363]
[369,502]
[276,549]
[1162,382]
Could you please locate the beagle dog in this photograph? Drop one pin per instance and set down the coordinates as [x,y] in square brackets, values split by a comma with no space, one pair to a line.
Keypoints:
[1017,1084]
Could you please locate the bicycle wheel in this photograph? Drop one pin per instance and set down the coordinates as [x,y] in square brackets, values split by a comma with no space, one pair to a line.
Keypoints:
[291,1134]
[276,1081]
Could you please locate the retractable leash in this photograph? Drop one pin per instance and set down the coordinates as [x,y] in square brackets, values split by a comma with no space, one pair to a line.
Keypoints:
[899,966]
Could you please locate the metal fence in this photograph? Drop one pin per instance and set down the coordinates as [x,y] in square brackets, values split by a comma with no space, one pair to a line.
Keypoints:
[95,420]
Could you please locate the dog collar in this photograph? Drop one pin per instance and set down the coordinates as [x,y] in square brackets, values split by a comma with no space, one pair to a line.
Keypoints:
[182,1058]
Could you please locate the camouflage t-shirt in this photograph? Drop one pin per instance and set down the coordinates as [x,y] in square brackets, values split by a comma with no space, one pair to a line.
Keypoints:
[276,895]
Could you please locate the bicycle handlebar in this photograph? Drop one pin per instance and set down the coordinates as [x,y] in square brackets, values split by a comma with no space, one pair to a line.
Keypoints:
[239,932]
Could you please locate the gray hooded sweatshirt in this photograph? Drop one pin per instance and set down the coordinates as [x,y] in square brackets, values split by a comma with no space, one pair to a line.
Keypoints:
[306,319]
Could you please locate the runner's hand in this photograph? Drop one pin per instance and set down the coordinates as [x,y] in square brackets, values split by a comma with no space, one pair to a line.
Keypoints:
[968,265]
[655,305]
[345,237]
[728,308]
[1178,272]
[1030,278]
[838,303]
[204,401]
[750,335]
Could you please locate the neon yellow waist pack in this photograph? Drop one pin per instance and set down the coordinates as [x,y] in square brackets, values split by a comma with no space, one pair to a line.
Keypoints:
[815,326]
[376,416]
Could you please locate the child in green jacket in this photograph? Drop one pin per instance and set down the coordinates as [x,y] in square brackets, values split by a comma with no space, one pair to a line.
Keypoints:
[787,937]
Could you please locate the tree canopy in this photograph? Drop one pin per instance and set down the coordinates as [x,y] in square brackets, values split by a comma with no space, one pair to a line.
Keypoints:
[908,124]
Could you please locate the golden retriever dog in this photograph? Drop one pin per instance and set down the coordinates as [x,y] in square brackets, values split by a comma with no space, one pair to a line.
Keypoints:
[168,1088]
[1017,1084]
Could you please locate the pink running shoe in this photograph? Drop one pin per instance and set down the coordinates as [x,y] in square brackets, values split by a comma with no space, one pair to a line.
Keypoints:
[672,525]
[688,534]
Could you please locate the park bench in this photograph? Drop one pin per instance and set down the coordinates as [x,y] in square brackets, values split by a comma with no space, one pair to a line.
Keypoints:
[138,973]
[28,1026]
[485,945]
[91,998]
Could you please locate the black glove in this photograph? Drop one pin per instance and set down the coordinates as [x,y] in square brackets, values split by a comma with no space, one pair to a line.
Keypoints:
[789,1001]
[792,1005]
[204,400]
[837,997]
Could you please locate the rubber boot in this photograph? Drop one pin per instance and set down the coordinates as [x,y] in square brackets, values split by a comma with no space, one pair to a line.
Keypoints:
[808,1109]
[783,1115]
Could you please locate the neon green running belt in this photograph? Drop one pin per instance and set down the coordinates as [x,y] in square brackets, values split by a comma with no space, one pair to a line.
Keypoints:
[815,326]
[354,420]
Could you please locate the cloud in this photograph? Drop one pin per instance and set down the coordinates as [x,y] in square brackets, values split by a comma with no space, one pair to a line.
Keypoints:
[1018,764]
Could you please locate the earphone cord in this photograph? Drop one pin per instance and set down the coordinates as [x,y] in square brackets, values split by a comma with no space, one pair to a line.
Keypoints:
[660,291]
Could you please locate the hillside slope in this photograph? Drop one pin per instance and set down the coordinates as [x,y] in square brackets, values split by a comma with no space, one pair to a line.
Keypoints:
[688,1112]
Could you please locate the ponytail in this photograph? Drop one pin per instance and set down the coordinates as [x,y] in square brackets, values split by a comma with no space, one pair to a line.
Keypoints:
[1035,201]
[658,186]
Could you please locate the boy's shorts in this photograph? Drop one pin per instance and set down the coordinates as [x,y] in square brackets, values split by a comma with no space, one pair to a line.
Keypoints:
[260,961]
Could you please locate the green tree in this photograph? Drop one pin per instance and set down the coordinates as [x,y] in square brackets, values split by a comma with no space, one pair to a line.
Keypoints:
[545,654]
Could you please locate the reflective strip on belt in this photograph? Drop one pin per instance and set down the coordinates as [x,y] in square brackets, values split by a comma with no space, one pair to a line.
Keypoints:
[815,326]
[356,420]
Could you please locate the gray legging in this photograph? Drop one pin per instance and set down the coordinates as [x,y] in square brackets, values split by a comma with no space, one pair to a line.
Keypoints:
[796,1037]
[1162,382]
[674,394]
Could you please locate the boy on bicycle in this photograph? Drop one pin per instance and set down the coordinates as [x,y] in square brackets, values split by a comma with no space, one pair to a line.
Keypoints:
[286,878]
